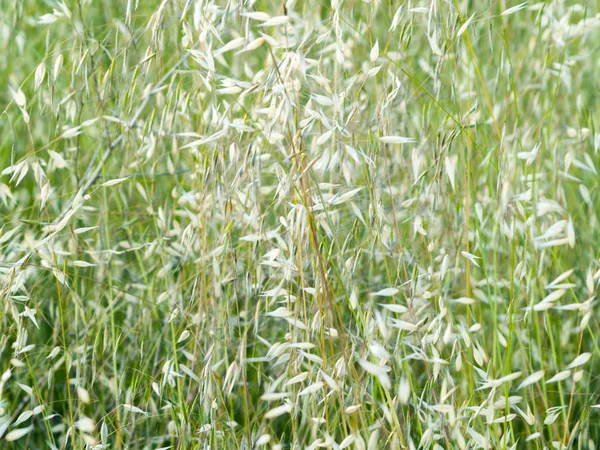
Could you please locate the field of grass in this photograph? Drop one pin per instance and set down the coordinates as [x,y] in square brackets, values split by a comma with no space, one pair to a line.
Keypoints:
[362,224]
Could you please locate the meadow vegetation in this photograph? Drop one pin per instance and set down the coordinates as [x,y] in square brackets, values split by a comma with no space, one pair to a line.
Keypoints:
[242,224]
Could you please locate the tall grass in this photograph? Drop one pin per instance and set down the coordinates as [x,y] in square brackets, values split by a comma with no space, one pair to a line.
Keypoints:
[299,225]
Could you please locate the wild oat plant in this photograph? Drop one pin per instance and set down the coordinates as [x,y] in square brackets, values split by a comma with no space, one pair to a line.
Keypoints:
[362,224]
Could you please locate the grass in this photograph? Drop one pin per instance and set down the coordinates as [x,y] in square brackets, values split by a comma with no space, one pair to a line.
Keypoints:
[313,224]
